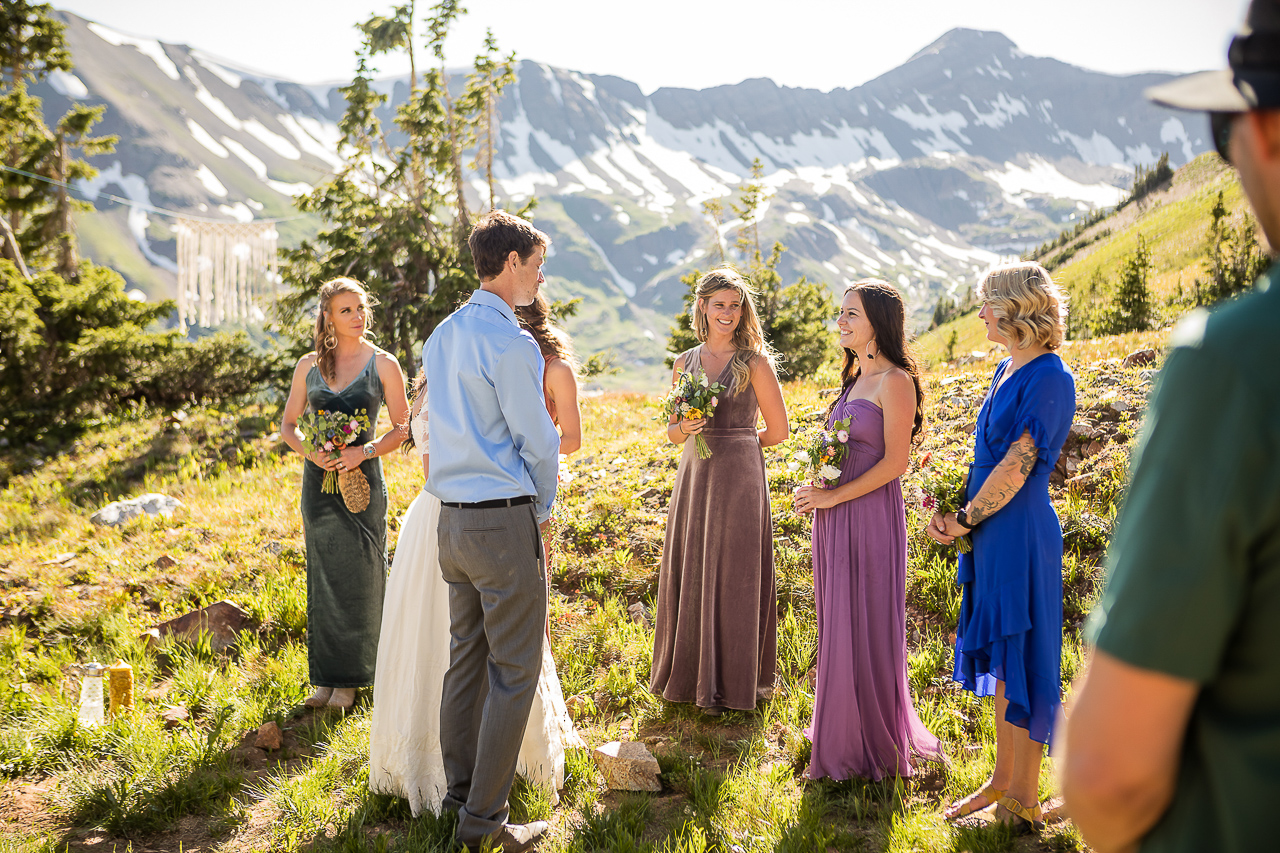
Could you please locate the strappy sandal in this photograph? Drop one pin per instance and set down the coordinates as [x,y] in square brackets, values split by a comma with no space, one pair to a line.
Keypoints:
[990,793]
[1028,819]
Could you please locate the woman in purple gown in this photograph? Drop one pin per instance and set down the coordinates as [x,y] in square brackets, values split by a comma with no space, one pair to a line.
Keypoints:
[863,721]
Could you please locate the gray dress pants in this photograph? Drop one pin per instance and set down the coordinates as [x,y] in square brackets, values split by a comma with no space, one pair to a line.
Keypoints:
[492,560]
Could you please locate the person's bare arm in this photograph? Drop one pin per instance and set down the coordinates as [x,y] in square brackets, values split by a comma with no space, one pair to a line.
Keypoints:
[293,409]
[414,411]
[678,431]
[998,489]
[1123,742]
[898,402]
[769,397]
[562,385]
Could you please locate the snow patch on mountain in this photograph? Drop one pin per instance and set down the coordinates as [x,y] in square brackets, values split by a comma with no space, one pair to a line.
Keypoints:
[259,168]
[226,75]
[67,84]
[939,124]
[134,188]
[206,139]
[1041,178]
[274,141]
[210,181]
[147,47]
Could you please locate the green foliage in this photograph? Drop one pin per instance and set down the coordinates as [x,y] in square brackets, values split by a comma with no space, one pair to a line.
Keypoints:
[1233,258]
[794,317]
[1130,309]
[396,214]
[35,215]
[1147,181]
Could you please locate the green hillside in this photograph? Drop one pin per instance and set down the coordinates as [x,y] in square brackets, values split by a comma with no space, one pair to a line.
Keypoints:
[1174,222]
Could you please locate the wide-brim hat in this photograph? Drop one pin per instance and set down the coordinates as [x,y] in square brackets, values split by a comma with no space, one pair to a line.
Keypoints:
[1251,82]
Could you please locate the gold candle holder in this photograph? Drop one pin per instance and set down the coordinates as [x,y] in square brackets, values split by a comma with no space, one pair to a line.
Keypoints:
[120,681]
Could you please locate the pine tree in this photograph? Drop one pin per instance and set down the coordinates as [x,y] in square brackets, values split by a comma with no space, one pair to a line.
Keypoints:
[794,318]
[1233,258]
[39,161]
[1131,309]
[396,216]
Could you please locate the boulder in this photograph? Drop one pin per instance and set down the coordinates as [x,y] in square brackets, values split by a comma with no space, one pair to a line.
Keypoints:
[222,621]
[628,766]
[269,736]
[115,514]
[174,716]
[1140,358]
[640,615]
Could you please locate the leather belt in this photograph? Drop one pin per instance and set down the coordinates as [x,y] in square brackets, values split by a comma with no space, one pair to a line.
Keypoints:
[494,504]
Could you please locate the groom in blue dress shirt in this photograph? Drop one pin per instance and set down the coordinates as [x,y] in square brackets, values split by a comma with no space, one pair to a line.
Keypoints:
[494,461]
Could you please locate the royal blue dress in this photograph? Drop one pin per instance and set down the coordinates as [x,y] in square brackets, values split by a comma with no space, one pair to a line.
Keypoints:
[1010,625]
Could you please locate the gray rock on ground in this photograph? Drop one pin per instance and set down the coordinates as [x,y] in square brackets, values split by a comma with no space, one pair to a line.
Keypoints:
[115,514]
[628,766]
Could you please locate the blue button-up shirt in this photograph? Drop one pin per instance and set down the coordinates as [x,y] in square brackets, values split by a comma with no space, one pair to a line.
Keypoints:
[487,425]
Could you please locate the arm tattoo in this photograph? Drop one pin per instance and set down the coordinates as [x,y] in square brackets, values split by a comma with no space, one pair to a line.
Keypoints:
[1005,480]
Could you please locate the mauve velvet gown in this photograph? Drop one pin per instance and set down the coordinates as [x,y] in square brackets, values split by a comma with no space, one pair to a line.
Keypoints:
[863,721]
[715,641]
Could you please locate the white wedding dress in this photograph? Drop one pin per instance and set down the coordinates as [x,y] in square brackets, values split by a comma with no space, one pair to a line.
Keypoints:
[413,654]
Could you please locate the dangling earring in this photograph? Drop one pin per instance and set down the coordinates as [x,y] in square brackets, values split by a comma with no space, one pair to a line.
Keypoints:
[329,340]
[870,354]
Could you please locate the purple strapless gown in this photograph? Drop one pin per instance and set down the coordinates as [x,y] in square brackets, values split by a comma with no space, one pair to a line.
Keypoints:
[863,721]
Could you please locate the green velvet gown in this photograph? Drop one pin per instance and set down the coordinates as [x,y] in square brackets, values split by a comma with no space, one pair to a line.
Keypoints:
[346,551]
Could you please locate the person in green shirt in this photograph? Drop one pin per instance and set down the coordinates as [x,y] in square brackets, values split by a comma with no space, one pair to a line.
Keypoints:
[1173,740]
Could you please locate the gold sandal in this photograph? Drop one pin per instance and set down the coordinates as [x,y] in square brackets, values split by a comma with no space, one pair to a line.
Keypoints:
[990,793]
[1027,818]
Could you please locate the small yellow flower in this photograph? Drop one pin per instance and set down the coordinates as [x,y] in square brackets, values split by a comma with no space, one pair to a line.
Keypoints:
[694,414]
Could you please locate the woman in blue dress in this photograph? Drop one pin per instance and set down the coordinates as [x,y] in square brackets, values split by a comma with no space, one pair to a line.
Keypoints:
[1009,637]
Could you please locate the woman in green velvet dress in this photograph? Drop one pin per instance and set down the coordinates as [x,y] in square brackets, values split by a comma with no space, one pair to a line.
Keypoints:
[346,551]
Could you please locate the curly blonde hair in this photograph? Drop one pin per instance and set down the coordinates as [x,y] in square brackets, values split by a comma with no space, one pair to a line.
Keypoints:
[325,340]
[1029,308]
[748,338]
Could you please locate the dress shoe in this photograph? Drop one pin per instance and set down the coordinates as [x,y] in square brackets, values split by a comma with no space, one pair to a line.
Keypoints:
[514,838]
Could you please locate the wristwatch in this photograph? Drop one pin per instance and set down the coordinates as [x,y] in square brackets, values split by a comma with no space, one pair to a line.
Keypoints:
[367,450]
[962,519]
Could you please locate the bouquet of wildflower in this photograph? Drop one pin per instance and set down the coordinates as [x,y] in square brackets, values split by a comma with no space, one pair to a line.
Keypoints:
[821,452]
[692,397]
[331,432]
[942,487]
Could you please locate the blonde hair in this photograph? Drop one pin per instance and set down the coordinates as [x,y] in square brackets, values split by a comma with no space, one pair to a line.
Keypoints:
[1029,308]
[748,338]
[325,340]
[552,341]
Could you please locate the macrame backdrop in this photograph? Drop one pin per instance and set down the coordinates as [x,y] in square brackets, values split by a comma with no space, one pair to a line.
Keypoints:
[223,269]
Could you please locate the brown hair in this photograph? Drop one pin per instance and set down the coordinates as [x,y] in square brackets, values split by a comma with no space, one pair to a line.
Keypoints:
[1029,308]
[748,338]
[325,340]
[552,340]
[882,305]
[496,235]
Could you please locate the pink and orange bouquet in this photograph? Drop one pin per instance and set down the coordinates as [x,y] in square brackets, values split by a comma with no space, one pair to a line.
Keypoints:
[331,432]
[692,397]
[942,486]
[821,452]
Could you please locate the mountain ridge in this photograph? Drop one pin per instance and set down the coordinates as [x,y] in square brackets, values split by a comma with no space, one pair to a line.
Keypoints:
[924,175]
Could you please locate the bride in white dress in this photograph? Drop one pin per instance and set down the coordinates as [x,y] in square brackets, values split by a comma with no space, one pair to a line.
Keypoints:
[413,654]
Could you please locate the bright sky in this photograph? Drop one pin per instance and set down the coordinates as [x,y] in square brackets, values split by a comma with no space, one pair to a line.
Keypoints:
[821,44]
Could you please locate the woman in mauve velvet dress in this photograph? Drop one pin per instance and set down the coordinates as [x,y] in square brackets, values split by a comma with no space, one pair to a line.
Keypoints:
[863,721]
[715,639]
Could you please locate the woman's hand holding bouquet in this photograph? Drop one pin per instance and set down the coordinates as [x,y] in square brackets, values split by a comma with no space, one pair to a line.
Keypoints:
[820,453]
[692,398]
[329,434]
[942,490]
